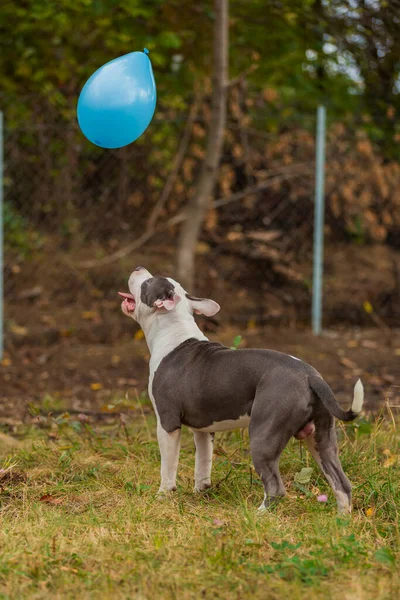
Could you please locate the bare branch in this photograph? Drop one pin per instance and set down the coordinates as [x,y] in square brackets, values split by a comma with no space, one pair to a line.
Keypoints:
[180,155]
[242,76]
[289,172]
[253,189]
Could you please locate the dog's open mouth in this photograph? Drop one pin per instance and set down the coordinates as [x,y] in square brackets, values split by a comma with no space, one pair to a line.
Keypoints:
[129,301]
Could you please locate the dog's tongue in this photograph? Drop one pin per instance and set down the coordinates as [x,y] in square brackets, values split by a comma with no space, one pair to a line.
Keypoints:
[126,296]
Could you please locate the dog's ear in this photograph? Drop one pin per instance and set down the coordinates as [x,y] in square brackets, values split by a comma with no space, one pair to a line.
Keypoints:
[167,303]
[203,306]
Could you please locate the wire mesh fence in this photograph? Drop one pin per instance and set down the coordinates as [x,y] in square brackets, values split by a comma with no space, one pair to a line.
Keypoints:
[68,203]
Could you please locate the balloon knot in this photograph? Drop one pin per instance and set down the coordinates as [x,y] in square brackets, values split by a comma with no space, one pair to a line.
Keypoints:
[146,51]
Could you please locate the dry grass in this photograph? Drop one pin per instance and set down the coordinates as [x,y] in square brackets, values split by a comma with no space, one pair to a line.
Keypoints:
[80,519]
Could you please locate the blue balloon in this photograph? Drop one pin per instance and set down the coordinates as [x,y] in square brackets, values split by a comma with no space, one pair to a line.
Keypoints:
[118,101]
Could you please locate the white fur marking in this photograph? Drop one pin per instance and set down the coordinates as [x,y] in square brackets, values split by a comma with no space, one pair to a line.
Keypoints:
[262,506]
[169,444]
[358,397]
[204,455]
[228,424]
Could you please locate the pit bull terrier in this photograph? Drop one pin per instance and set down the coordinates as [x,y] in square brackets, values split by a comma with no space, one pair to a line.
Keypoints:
[209,388]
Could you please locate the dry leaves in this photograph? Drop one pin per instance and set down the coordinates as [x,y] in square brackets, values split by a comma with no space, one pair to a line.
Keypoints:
[53,500]
[96,386]
[121,381]
[391,459]
[349,364]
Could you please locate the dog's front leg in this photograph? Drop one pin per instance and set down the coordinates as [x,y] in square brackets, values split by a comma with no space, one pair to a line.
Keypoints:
[204,454]
[169,444]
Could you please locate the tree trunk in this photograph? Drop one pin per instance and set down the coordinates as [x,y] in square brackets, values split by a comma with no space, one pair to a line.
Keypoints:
[197,205]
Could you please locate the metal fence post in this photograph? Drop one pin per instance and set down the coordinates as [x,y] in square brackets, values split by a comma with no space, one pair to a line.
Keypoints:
[319,214]
[1,243]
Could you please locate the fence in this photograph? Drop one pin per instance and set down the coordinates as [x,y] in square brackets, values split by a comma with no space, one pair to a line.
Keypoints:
[68,205]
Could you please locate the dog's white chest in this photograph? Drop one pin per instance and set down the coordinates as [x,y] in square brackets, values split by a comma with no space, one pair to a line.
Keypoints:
[227,425]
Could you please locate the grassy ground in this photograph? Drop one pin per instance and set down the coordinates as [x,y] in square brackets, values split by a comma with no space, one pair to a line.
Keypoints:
[80,518]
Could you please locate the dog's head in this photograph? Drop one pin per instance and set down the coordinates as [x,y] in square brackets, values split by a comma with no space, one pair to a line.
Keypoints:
[150,296]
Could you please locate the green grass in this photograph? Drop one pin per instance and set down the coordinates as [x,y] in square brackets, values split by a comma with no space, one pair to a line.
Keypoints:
[80,519]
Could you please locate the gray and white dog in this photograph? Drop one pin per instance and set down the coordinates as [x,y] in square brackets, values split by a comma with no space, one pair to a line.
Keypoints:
[209,388]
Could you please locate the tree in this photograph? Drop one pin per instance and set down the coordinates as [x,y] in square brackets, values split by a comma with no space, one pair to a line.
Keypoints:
[198,203]
[367,36]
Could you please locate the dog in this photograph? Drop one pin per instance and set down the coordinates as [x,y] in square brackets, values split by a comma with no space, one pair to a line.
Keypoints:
[209,387]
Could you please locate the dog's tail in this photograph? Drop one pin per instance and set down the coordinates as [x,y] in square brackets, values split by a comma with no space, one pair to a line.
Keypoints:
[325,394]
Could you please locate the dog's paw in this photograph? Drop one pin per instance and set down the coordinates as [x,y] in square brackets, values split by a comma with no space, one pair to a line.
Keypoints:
[166,491]
[201,486]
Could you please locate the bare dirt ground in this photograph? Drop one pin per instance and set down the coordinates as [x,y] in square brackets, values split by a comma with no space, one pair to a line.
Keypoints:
[89,370]
[68,347]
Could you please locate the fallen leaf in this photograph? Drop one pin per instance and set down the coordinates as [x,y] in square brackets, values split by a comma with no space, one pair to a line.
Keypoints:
[65,332]
[251,324]
[352,344]
[90,315]
[387,452]
[368,307]
[369,344]
[108,408]
[375,381]
[304,475]
[202,248]
[346,362]
[397,352]
[115,360]
[48,499]
[18,330]
[6,362]
[370,511]
[34,292]
[264,236]
[139,335]
[234,236]
[389,462]
[96,386]
[122,381]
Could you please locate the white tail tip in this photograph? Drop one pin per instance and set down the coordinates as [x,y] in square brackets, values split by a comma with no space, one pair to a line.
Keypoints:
[358,398]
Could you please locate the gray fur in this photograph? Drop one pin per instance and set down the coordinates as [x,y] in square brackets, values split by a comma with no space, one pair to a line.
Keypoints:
[156,288]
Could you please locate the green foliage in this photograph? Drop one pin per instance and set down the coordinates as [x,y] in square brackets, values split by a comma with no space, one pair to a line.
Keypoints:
[306,52]
[17,235]
[236,342]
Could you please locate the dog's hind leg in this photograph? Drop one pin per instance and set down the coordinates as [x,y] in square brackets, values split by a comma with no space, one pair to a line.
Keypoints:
[204,455]
[323,446]
[169,444]
[266,445]
[278,413]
